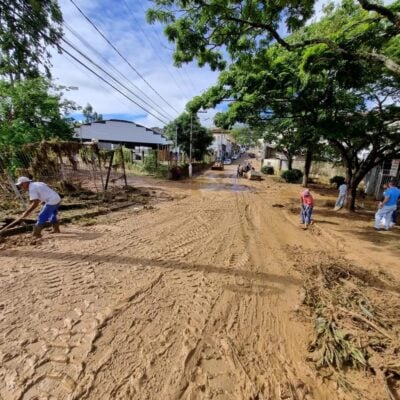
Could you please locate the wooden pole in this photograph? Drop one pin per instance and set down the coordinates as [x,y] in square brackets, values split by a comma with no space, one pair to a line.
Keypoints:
[61,167]
[11,182]
[123,165]
[101,172]
[109,170]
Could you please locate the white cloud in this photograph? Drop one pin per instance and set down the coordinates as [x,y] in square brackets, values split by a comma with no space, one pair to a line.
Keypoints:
[146,49]
[140,44]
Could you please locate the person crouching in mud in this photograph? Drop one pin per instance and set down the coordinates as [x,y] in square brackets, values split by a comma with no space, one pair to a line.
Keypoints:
[39,193]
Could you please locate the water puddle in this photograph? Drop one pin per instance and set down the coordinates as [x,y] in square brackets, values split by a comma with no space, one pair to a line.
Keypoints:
[226,187]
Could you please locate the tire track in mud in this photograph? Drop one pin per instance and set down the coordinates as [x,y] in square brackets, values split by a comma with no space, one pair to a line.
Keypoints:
[55,279]
[188,301]
[249,329]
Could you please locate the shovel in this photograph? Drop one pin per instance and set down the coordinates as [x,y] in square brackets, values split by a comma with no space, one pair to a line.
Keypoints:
[9,226]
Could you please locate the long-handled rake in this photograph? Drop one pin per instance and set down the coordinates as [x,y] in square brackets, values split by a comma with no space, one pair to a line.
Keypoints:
[9,226]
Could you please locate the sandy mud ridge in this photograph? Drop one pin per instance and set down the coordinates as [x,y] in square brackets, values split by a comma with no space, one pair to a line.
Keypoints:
[197,298]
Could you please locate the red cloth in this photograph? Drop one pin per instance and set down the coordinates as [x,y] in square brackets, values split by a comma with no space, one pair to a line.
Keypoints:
[307,199]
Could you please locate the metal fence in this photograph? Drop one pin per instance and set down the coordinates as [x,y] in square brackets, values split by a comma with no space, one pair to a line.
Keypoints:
[67,166]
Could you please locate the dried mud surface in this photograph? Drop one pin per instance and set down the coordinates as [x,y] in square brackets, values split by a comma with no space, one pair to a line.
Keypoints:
[196,298]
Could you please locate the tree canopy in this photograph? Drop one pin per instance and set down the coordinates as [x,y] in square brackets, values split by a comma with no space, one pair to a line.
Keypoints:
[181,127]
[219,31]
[307,97]
[28,114]
[27,28]
[243,135]
[90,115]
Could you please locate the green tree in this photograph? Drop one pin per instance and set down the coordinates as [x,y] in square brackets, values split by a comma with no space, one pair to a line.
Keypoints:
[28,114]
[245,136]
[310,97]
[215,31]
[27,29]
[201,137]
[90,115]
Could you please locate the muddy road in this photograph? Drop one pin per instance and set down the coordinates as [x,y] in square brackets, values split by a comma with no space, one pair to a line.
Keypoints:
[194,299]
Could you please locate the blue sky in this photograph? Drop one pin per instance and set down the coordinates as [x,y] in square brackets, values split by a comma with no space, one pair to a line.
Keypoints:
[146,49]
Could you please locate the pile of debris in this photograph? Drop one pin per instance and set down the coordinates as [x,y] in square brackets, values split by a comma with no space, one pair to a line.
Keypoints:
[356,326]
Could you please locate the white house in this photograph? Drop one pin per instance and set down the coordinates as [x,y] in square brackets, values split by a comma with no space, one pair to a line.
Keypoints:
[221,145]
[119,132]
[379,175]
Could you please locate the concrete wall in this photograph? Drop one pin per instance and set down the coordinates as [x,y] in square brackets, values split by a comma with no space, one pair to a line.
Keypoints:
[119,131]
[279,165]
[321,170]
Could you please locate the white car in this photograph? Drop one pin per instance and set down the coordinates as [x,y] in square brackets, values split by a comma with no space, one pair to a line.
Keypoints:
[235,157]
[227,161]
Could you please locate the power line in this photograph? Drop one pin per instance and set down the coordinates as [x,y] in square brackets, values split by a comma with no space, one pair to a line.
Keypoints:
[108,74]
[89,69]
[147,38]
[160,40]
[110,84]
[90,47]
[119,53]
[100,83]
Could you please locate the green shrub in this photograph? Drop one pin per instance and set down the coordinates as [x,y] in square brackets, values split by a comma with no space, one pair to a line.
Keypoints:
[292,176]
[337,180]
[150,162]
[267,169]
[176,172]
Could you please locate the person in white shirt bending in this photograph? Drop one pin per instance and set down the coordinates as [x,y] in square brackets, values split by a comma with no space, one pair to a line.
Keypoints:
[342,196]
[39,193]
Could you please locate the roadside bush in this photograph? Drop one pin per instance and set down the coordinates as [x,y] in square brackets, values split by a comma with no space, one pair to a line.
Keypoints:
[337,180]
[292,176]
[267,169]
[175,172]
[150,162]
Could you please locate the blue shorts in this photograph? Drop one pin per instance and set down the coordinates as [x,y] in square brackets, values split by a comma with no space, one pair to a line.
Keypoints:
[48,213]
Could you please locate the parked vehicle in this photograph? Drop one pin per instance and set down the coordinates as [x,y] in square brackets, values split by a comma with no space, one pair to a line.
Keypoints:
[227,161]
[235,157]
[218,166]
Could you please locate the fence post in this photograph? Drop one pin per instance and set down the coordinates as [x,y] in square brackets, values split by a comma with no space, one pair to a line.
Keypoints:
[109,170]
[123,165]
[101,172]
[11,182]
[62,167]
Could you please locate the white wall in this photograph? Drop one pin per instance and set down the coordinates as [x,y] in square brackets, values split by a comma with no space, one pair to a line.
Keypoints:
[119,131]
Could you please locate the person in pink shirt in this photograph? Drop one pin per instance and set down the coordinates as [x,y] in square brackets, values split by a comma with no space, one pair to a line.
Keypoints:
[307,205]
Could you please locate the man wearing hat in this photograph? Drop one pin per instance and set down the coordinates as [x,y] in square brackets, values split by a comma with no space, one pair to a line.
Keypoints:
[39,193]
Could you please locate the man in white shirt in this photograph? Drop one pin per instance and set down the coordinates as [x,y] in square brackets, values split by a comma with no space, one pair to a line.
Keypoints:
[342,196]
[39,193]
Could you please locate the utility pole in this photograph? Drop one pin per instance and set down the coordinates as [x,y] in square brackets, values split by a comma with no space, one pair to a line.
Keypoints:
[190,145]
[191,139]
[176,144]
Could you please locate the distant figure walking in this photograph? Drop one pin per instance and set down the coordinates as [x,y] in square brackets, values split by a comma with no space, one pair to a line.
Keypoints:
[342,196]
[386,207]
[239,171]
[307,205]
